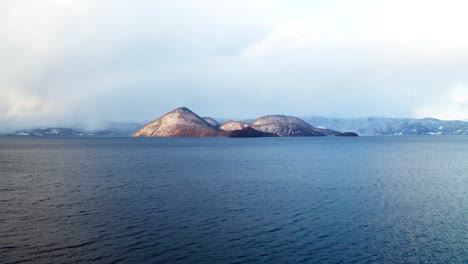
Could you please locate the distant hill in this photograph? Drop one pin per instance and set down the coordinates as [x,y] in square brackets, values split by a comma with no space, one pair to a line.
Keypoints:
[112,129]
[392,126]
[56,131]
[289,126]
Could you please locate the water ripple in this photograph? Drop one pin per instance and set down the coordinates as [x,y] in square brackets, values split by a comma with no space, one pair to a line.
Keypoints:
[306,200]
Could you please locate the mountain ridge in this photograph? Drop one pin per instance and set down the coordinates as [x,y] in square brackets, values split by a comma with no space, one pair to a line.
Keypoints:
[289,126]
[392,126]
[363,126]
[182,122]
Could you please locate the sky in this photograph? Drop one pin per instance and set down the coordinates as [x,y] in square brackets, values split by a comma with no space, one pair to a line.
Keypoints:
[79,63]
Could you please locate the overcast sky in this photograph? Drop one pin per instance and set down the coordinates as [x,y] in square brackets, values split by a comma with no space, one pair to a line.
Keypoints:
[68,62]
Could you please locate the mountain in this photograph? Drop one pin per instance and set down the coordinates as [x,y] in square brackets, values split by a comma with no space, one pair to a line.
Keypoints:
[109,129]
[392,126]
[289,126]
[362,126]
[243,129]
[48,132]
[211,121]
[232,125]
[181,122]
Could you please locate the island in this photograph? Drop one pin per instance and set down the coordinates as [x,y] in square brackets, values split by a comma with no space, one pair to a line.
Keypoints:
[183,122]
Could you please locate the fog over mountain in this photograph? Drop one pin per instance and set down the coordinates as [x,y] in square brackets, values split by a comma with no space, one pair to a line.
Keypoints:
[72,63]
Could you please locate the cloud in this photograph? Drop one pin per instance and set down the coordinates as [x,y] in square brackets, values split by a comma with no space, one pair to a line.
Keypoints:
[401,56]
[81,62]
[17,105]
[452,106]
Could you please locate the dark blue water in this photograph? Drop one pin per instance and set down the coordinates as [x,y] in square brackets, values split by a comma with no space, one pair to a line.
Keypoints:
[218,200]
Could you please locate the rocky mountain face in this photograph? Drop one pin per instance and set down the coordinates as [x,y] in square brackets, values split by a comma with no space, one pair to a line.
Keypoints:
[211,121]
[392,126]
[182,122]
[232,125]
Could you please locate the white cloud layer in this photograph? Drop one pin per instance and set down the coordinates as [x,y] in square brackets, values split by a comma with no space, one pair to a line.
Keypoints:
[70,62]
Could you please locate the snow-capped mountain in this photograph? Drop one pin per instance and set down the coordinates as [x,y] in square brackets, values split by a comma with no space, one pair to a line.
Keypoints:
[392,126]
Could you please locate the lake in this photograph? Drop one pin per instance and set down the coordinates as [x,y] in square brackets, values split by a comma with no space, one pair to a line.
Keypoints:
[223,200]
